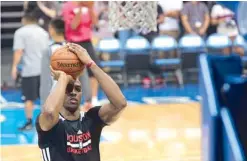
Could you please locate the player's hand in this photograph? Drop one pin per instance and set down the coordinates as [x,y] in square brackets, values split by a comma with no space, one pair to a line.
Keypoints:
[56,74]
[14,73]
[80,52]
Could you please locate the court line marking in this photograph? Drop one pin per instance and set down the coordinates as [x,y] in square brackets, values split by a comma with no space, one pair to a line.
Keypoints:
[8,135]
[2,99]
[168,99]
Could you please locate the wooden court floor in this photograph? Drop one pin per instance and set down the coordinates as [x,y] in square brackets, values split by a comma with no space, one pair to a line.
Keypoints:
[168,132]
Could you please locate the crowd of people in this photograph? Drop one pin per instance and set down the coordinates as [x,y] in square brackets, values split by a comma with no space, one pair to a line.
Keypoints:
[52,24]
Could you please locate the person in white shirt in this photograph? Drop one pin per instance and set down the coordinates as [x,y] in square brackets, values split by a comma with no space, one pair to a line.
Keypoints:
[170,25]
[224,19]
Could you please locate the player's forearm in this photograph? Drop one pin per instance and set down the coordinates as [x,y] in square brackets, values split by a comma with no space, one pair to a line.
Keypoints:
[54,101]
[17,58]
[110,88]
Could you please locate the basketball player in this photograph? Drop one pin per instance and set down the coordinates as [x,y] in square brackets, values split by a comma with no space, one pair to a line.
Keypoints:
[56,32]
[30,42]
[64,133]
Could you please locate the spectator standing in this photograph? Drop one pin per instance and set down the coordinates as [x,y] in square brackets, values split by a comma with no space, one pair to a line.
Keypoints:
[195,18]
[170,24]
[103,29]
[30,42]
[224,19]
[79,18]
[45,10]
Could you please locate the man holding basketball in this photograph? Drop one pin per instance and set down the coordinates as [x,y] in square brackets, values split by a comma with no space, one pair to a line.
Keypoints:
[64,133]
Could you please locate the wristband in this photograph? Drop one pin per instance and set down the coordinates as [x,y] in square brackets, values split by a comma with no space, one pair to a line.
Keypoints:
[88,65]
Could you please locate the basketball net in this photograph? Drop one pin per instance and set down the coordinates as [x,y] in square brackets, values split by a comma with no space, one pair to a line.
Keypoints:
[137,15]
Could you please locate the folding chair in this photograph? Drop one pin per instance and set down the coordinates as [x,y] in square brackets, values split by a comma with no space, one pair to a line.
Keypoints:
[166,45]
[116,62]
[217,42]
[190,47]
[137,56]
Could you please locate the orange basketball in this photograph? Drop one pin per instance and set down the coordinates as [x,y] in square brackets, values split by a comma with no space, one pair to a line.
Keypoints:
[66,61]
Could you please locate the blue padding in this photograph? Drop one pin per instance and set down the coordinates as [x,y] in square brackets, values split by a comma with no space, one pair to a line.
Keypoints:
[218,41]
[113,63]
[235,98]
[160,62]
[164,43]
[232,147]
[222,66]
[209,112]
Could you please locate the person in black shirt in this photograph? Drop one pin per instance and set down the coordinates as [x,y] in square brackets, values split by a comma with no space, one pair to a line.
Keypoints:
[65,133]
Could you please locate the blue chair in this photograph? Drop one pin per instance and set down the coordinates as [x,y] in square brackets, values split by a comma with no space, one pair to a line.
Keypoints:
[190,47]
[191,43]
[216,42]
[112,47]
[166,44]
[137,56]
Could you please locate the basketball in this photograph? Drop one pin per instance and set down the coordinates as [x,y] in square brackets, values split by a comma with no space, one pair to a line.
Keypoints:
[64,60]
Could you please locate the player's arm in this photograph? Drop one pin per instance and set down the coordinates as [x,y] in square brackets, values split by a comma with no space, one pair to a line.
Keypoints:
[48,12]
[109,112]
[186,24]
[16,60]
[49,116]
[18,47]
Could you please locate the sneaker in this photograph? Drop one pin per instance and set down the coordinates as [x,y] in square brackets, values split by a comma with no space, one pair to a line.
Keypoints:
[26,127]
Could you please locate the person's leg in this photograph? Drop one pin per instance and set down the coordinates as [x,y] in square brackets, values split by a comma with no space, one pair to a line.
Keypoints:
[30,89]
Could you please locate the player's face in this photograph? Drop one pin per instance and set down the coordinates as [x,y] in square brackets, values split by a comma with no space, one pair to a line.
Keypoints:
[73,96]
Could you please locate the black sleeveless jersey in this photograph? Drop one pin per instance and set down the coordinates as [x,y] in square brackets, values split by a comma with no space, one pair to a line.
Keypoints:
[72,140]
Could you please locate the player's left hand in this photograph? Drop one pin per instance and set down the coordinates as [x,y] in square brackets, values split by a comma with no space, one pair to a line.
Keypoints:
[80,52]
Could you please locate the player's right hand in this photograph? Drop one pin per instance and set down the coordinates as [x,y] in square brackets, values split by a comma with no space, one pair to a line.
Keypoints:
[56,74]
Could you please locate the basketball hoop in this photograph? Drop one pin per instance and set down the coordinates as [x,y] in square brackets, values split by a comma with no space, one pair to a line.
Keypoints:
[137,15]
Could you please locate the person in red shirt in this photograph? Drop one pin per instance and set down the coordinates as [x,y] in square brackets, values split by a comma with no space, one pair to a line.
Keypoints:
[79,18]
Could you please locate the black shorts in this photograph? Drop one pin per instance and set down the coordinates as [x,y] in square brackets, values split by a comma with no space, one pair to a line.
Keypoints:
[90,49]
[30,88]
